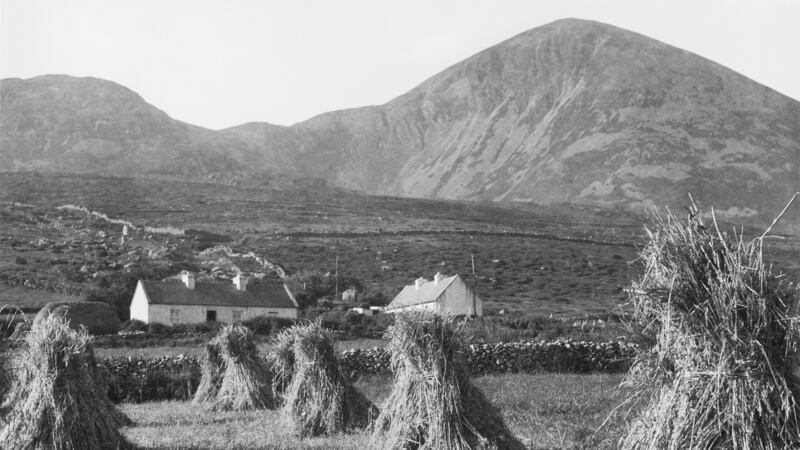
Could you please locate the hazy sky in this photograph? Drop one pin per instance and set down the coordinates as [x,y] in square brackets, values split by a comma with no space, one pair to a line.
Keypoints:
[221,63]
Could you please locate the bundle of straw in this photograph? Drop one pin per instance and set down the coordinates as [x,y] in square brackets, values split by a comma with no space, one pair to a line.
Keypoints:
[59,399]
[319,399]
[725,334]
[7,331]
[281,360]
[433,405]
[212,370]
[245,381]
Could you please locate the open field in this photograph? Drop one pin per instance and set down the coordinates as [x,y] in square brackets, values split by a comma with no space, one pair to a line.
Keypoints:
[545,411]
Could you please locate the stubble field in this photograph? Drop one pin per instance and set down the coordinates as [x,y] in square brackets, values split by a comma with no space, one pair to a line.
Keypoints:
[547,411]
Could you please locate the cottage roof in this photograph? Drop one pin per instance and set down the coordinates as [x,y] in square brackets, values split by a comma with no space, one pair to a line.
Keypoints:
[170,292]
[428,291]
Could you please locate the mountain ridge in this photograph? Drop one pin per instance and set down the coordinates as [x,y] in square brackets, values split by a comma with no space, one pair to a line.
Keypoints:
[573,111]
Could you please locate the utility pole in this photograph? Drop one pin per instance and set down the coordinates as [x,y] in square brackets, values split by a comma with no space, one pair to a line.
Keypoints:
[336,271]
[472,256]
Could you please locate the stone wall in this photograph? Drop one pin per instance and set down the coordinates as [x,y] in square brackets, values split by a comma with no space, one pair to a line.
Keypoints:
[521,356]
[177,377]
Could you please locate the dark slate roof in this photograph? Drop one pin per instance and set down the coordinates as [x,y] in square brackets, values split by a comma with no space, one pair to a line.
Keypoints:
[218,294]
[427,292]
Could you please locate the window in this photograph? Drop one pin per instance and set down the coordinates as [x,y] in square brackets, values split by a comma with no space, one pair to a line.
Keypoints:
[237,316]
[211,315]
[174,316]
[273,313]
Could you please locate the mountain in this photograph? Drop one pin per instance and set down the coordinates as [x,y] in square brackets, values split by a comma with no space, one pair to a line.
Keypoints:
[58,123]
[573,111]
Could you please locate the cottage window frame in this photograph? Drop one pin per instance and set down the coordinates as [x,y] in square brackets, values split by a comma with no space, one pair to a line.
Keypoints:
[174,316]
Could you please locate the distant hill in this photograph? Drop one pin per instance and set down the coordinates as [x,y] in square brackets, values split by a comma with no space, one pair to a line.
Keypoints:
[58,123]
[573,111]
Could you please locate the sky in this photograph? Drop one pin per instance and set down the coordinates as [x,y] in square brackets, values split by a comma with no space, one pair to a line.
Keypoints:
[221,63]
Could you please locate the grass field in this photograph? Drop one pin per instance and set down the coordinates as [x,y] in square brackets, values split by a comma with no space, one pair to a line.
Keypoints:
[550,411]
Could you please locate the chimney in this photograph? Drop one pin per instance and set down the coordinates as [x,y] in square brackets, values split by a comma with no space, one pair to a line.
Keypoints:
[240,282]
[418,282]
[437,278]
[188,279]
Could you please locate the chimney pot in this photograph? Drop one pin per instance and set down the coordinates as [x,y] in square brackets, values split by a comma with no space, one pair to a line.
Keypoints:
[240,282]
[437,278]
[188,279]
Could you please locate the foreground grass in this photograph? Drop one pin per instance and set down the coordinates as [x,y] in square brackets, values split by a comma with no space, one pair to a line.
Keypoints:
[547,411]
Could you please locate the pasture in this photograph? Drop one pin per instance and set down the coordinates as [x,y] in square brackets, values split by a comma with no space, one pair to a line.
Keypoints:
[545,411]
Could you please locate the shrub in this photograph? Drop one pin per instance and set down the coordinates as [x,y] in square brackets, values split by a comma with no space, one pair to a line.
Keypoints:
[133,325]
[158,329]
[261,325]
[264,325]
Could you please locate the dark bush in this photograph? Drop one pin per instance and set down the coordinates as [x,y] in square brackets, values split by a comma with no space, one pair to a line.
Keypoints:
[264,325]
[133,325]
[354,325]
[376,298]
[305,299]
[261,325]
[158,329]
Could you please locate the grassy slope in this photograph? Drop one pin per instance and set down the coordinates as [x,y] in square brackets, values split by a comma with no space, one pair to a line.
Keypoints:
[523,275]
[545,411]
[554,267]
[534,272]
[222,208]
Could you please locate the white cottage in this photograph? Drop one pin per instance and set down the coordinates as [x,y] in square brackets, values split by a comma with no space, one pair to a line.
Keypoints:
[446,294]
[186,301]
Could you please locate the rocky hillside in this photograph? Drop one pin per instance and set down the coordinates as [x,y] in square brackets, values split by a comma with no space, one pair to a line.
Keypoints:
[573,111]
[58,123]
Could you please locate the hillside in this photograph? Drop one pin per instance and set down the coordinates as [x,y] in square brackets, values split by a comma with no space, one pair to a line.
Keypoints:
[58,123]
[573,111]
[535,260]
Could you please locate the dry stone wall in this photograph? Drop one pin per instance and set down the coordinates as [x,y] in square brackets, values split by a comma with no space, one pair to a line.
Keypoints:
[521,356]
[176,377]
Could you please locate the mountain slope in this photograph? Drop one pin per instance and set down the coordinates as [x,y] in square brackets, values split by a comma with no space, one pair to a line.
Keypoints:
[61,123]
[573,111]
